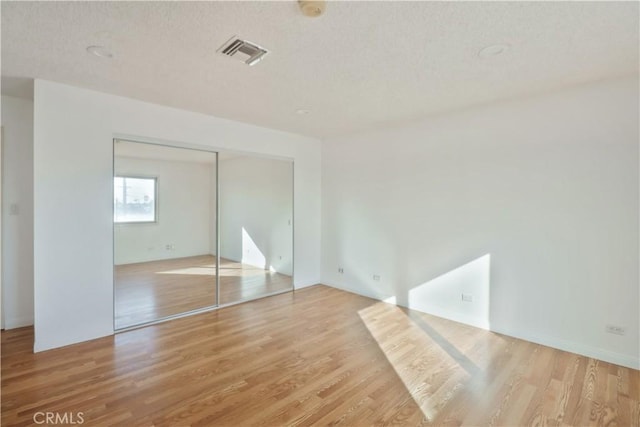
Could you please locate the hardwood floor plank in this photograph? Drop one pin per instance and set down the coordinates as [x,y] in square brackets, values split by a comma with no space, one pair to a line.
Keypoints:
[316,356]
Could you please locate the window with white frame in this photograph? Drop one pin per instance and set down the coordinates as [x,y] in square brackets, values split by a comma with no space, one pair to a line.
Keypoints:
[134,199]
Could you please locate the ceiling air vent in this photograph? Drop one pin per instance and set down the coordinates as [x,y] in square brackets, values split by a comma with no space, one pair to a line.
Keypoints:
[242,50]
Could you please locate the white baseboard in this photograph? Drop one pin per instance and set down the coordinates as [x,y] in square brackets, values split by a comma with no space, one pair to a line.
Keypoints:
[49,343]
[572,347]
[18,322]
[369,294]
[626,360]
[306,284]
[452,315]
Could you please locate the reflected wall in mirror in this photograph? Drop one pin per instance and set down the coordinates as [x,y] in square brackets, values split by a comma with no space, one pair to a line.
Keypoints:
[164,232]
[256,227]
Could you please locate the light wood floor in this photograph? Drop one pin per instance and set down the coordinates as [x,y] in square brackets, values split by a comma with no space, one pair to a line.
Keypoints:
[316,356]
[149,291]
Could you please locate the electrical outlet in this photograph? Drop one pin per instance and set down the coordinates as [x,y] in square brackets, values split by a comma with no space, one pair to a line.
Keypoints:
[614,329]
[376,277]
[467,297]
[340,270]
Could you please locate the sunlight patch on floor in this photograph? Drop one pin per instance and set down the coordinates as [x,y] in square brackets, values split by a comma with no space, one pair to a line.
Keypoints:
[430,371]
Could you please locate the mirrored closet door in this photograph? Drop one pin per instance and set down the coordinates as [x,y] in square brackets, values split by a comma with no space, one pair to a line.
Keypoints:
[256,227]
[165,232]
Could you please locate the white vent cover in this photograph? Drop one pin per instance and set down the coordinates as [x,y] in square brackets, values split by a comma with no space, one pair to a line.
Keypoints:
[243,50]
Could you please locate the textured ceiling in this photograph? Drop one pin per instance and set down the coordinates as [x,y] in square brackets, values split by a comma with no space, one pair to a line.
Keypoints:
[362,65]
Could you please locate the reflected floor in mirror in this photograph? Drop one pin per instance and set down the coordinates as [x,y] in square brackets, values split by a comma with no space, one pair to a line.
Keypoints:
[149,291]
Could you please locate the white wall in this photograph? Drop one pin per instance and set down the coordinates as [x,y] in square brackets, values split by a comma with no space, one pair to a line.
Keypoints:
[186,222]
[73,249]
[530,206]
[256,212]
[17,212]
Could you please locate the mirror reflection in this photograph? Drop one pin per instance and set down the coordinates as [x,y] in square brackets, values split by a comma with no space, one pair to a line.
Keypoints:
[164,231]
[166,202]
[256,227]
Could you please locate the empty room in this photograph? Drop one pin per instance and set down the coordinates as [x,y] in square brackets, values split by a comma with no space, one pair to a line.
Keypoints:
[307,213]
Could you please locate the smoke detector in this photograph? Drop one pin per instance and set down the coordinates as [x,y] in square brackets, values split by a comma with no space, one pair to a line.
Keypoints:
[243,50]
[312,9]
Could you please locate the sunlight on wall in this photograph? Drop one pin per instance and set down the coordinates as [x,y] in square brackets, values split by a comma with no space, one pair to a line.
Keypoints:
[443,296]
[251,255]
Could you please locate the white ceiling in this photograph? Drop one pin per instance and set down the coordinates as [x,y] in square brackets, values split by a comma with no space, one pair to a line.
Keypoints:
[362,65]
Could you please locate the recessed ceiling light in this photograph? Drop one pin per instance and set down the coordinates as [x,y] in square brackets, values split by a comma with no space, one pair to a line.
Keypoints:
[302,112]
[100,51]
[493,50]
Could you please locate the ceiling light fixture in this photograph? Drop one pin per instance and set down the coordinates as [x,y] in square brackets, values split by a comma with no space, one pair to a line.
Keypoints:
[100,51]
[494,50]
[312,9]
[302,112]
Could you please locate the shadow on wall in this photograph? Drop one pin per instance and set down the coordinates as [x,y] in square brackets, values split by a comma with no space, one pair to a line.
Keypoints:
[462,294]
[251,254]
[263,258]
[258,255]
[256,208]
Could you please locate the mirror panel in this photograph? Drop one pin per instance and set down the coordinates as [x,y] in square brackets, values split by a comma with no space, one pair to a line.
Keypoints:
[256,227]
[164,232]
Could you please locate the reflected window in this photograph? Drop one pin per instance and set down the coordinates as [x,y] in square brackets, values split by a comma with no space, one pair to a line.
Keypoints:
[134,199]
